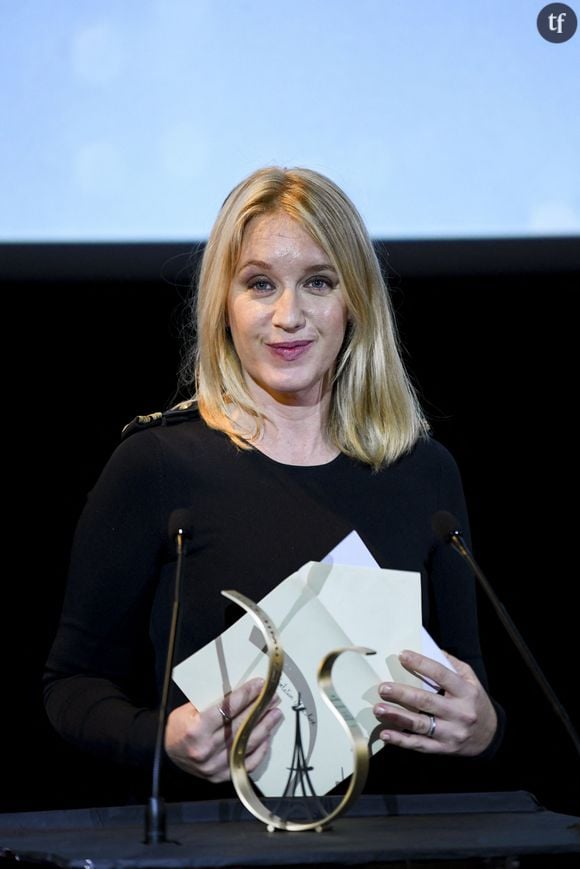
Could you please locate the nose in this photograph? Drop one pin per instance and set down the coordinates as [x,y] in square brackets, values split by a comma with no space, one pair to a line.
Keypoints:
[288,311]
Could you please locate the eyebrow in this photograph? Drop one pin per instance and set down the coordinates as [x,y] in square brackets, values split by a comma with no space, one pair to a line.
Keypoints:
[315,267]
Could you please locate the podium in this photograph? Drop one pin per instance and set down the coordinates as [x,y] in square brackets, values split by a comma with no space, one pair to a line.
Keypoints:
[507,829]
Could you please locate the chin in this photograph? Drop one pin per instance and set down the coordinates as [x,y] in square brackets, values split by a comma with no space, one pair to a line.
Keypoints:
[295,392]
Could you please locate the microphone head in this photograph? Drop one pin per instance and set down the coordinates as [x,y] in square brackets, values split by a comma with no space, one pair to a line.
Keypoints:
[181,522]
[445,525]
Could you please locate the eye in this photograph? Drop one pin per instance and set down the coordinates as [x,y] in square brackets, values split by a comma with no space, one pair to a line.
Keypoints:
[319,284]
[260,286]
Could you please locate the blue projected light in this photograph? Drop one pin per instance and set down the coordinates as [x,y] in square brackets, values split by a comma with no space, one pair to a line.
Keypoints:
[132,121]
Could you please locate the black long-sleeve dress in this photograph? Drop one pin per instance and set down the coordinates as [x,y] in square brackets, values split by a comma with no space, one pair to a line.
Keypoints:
[256,521]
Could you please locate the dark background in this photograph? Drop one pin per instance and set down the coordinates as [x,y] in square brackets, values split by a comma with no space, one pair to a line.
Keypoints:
[490,335]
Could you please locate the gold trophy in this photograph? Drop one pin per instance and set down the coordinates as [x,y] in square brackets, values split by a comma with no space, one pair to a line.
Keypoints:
[240,778]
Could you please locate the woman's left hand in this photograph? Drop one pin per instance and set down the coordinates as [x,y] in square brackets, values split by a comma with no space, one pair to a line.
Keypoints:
[462,720]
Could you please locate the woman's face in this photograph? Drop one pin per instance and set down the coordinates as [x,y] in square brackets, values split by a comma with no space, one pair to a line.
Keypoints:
[286,312]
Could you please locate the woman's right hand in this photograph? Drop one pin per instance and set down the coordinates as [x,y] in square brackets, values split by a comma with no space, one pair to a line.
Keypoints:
[199,742]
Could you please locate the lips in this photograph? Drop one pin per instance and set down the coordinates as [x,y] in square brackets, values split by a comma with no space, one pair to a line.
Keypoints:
[289,350]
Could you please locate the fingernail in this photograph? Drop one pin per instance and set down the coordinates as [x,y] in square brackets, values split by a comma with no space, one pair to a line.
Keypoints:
[381,710]
[385,688]
[385,736]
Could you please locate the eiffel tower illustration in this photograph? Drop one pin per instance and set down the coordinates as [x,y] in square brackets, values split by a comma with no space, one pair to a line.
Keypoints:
[299,796]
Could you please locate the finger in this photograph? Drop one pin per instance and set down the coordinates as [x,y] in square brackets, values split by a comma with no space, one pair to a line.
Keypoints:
[239,719]
[449,681]
[233,704]
[414,731]
[253,760]
[214,767]
[275,701]
[261,730]
[264,729]
[211,758]
[256,749]
[464,670]
[414,741]
[396,718]
[410,698]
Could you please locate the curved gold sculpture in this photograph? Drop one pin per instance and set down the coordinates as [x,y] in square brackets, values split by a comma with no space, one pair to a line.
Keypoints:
[240,778]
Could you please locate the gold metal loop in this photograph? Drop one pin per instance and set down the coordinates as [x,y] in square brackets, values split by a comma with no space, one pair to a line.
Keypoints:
[240,778]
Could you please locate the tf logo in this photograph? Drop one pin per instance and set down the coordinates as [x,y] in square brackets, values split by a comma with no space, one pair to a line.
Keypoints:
[557,22]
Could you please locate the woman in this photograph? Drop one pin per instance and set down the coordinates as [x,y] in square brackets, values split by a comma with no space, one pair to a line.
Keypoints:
[303,426]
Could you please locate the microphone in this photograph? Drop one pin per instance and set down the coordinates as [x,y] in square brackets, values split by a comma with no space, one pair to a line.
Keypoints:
[179,528]
[447,528]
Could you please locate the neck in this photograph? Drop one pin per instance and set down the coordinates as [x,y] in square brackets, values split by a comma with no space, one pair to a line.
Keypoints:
[295,433]
[297,436]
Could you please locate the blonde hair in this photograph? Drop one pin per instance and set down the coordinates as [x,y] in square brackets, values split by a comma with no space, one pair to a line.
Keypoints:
[374,414]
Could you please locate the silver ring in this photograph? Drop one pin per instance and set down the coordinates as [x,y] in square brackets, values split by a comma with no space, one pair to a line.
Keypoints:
[432,727]
[227,718]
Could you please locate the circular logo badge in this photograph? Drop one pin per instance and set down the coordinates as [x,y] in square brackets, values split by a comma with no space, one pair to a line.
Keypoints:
[557,22]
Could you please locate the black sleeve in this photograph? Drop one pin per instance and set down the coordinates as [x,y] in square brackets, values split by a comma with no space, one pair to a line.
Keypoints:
[99,684]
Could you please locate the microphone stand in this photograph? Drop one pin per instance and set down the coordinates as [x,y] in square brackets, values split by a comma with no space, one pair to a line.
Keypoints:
[155,814]
[456,540]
